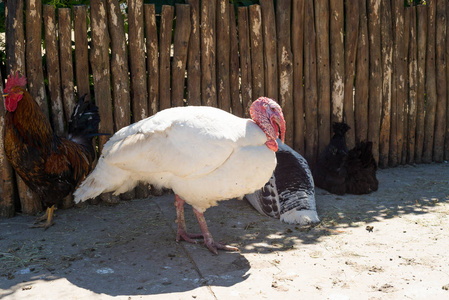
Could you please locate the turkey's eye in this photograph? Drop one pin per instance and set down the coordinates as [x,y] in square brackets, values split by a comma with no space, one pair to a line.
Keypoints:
[273,109]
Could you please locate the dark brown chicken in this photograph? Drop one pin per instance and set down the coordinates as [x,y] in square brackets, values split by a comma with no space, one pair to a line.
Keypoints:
[50,165]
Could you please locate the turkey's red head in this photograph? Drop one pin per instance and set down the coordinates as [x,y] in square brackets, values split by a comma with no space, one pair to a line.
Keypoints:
[268,115]
[13,91]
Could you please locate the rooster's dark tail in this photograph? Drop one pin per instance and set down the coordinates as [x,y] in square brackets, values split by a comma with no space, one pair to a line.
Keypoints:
[83,124]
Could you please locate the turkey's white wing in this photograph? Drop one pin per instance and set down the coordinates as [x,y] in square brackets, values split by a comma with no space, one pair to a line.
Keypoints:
[185,142]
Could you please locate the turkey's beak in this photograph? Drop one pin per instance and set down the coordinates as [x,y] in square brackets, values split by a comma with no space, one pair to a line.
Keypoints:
[5,95]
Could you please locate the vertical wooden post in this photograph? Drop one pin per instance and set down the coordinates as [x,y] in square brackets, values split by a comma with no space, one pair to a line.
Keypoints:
[165,33]
[15,62]
[446,140]
[440,55]
[298,73]
[208,52]
[65,50]
[223,52]
[81,50]
[413,88]
[337,59]
[352,34]
[420,100]
[137,65]
[99,59]
[237,108]
[119,66]
[53,71]
[256,41]
[152,58]
[285,63]
[181,42]
[431,88]
[35,72]
[194,56]
[375,76]
[362,77]
[270,49]
[387,73]
[245,60]
[310,84]
[404,92]
[323,72]
[7,197]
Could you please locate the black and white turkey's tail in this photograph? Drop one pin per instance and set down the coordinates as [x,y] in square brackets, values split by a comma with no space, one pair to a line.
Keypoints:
[266,199]
[290,193]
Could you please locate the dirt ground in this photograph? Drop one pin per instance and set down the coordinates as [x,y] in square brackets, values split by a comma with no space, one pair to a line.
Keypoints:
[391,244]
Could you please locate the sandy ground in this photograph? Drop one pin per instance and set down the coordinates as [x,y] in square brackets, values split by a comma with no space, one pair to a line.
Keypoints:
[391,244]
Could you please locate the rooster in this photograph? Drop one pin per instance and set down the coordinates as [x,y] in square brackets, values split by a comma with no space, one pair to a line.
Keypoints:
[203,153]
[50,165]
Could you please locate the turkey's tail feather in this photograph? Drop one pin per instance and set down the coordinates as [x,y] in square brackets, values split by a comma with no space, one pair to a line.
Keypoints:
[103,179]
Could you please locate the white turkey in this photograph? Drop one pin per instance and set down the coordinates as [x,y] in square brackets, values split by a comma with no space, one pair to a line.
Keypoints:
[289,195]
[204,154]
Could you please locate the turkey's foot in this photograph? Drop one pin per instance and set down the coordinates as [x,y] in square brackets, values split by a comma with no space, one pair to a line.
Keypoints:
[208,240]
[47,218]
[188,237]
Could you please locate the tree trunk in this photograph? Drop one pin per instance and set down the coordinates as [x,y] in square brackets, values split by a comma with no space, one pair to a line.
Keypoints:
[165,33]
[285,63]
[182,35]
[194,56]
[152,58]
[298,74]
[223,52]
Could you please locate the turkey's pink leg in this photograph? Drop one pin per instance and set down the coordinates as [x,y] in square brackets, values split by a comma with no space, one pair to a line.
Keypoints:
[182,232]
[208,240]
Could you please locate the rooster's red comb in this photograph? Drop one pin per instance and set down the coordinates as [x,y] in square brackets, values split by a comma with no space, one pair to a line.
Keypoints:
[15,81]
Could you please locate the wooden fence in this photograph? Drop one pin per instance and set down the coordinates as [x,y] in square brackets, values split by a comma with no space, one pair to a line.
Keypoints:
[376,64]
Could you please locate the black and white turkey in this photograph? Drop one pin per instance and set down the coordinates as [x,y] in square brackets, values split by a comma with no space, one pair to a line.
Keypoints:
[289,195]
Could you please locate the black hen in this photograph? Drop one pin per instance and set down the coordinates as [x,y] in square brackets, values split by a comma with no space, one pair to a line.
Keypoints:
[340,171]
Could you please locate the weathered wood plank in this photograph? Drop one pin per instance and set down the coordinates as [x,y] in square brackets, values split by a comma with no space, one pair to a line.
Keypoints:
[137,64]
[245,60]
[446,140]
[362,77]
[440,61]
[165,34]
[119,66]
[256,41]
[99,59]
[420,100]
[223,52]
[152,58]
[15,62]
[53,70]
[208,54]
[285,64]
[351,41]
[234,72]
[413,88]
[375,75]
[270,49]
[7,195]
[323,72]
[35,72]
[337,71]
[387,73]
[431,88]
[81,50]
[298,74]
[66,59]
[194,56]
[310,85]
[181,42]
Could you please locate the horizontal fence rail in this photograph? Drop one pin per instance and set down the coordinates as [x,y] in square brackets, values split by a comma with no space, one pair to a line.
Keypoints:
[380,66]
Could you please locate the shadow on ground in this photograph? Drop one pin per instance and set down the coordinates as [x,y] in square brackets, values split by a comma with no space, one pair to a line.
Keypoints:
[129,249]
